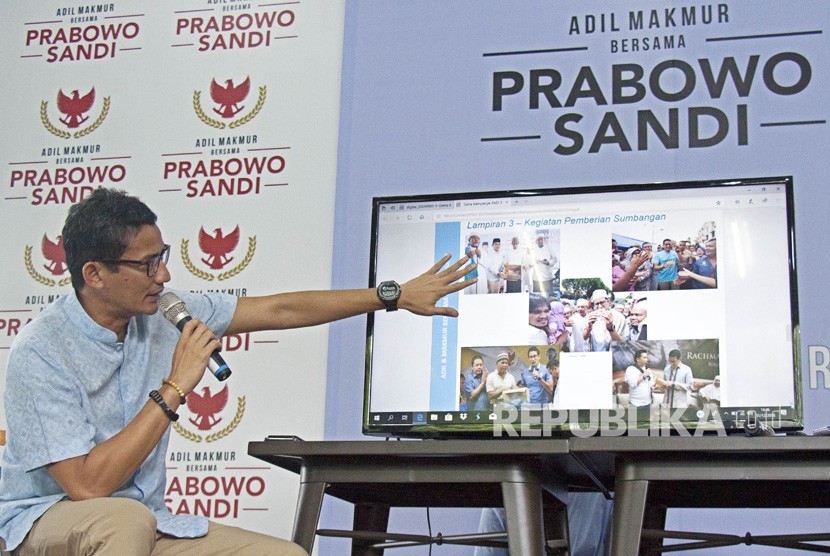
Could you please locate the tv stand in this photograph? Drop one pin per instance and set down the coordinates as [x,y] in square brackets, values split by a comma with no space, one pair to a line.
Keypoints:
[651,474]
[526,477]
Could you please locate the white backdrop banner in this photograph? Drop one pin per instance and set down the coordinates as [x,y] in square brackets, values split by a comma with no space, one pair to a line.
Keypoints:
[222,116]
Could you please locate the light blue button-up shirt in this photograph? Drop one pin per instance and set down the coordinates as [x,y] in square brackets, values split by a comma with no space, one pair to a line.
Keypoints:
[70,386]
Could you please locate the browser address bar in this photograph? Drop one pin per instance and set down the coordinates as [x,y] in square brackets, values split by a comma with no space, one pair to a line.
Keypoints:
[592,210]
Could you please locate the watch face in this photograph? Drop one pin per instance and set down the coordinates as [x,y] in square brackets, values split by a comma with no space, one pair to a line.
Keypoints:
[389,291]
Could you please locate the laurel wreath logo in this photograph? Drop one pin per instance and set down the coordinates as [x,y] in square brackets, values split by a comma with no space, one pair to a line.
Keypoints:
[197,107]
[51,128]
[98,121]
[45,280]
[253,113]
[246,260]
[188,264]
[194,437]
[240,412]
[204,275]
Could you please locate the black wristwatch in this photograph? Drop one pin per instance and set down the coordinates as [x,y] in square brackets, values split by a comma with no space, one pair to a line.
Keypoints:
[389,292]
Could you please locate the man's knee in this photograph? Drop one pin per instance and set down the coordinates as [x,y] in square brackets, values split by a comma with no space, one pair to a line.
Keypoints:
[294,550]
[227,539]
[125,520]
[105,525]
[127,510]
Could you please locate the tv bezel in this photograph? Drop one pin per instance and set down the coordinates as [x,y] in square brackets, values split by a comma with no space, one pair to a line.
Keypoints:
[458,430]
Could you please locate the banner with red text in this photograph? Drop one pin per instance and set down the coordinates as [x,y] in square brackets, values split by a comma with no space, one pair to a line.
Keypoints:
[222,116]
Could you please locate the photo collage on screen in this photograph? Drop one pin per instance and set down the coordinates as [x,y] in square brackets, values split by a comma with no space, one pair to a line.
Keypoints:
[556,321]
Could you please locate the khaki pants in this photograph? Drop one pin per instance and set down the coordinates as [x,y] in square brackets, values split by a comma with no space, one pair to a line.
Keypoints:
[124,527]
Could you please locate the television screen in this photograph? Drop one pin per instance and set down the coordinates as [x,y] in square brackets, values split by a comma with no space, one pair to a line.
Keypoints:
[658,308]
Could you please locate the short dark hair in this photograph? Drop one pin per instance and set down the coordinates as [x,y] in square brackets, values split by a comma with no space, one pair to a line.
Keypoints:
[638,353]
[477,357]
[496,240]
[536,301]
[552,363]
[675,353]
[100,227]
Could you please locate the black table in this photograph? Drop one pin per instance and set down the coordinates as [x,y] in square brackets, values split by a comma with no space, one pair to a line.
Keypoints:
[530,477]
[650,474]
[526,477]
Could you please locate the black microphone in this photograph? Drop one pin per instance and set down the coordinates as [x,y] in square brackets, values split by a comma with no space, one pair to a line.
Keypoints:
[174,310]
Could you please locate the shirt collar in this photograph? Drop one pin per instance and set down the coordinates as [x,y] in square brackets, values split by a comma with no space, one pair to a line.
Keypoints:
[78,315]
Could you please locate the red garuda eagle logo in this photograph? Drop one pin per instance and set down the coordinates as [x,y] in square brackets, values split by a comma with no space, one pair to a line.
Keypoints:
[206,406]
[229,96]
[53,251]
[74,107]
[217,247]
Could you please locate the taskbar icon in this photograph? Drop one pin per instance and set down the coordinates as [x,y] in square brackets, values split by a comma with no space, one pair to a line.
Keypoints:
[426,418]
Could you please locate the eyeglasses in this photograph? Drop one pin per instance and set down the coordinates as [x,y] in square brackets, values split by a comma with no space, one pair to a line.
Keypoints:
[152,263]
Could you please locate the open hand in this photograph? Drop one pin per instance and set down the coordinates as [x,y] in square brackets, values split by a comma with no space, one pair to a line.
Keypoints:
[421,294]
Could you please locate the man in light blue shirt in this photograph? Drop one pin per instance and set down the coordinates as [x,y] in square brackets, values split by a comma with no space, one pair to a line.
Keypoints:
[665,263]
[475,386]
[95,380]
[538,380]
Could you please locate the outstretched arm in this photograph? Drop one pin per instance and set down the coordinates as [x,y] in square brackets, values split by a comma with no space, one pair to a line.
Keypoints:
[705,280]
[309,308]
[624,282]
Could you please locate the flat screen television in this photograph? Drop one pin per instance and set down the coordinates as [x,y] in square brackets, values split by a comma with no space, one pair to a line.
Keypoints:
[661,308]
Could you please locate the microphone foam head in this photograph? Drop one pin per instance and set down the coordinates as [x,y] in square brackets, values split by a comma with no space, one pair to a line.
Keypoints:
[171,306]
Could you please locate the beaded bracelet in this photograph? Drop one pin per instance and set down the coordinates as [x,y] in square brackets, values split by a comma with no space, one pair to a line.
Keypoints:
[175,387]
[156,397]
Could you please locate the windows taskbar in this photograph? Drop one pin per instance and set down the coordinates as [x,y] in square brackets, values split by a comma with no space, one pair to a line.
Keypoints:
[774,416]
[398,418]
